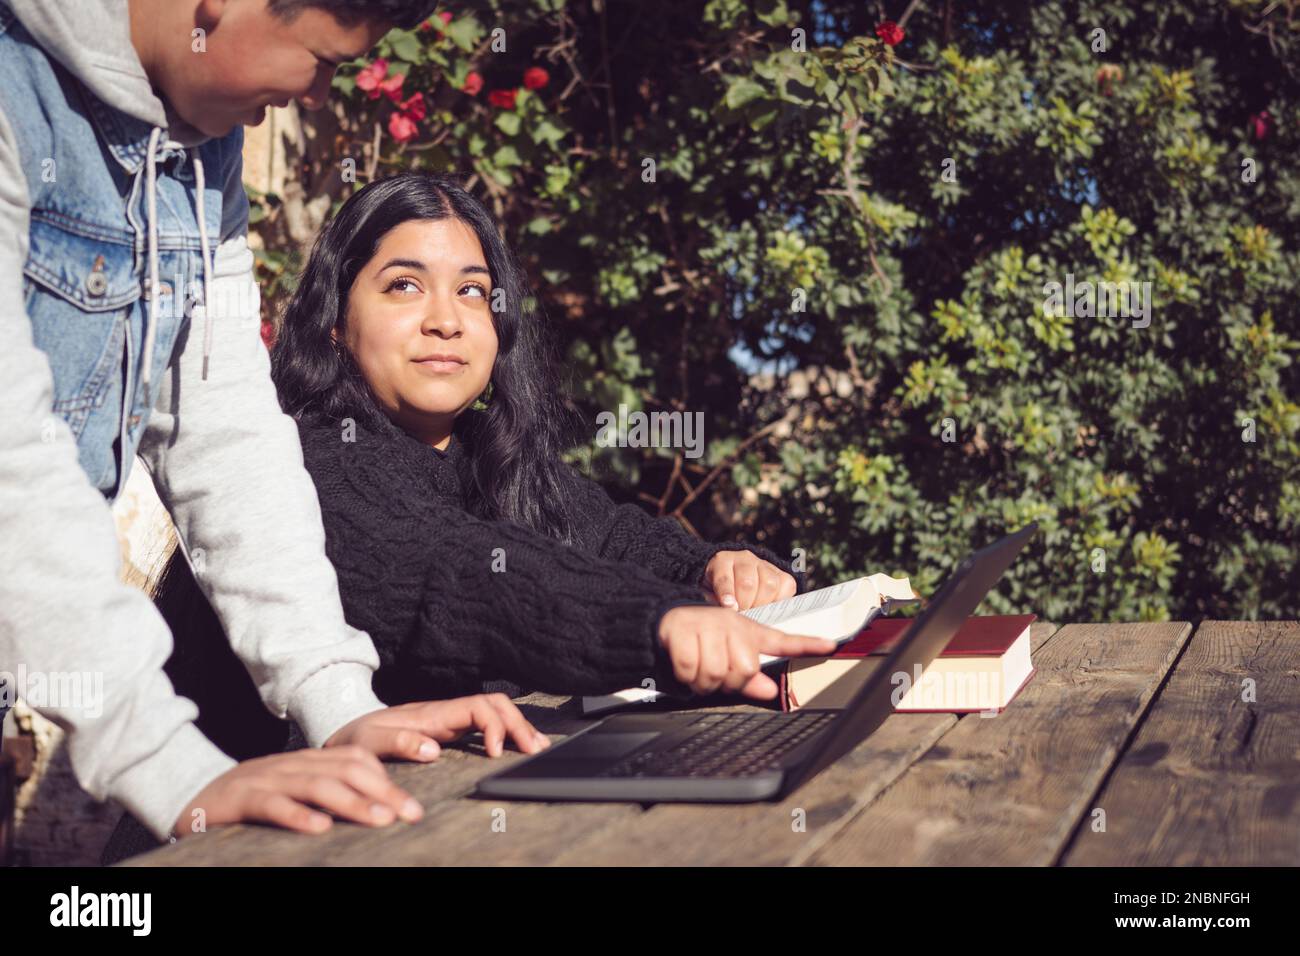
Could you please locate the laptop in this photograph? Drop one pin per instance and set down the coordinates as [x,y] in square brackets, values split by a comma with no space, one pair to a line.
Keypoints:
[711,757]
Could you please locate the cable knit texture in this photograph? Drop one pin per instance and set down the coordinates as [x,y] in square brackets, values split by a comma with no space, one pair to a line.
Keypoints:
[452,600]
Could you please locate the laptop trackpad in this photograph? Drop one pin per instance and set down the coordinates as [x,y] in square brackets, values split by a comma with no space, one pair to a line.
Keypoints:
[605,746]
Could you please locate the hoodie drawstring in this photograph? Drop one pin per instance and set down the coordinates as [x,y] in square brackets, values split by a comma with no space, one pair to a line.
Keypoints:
[151,198]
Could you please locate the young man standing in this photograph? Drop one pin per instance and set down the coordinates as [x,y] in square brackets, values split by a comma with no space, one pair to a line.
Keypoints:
[129,320]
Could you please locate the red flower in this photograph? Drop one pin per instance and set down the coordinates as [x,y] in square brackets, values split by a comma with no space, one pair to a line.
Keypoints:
[473,83]
[426,26]
[505,99]
[535,78]
[392,87]
[268,334]
[374,79]
[369,78]
[402,127]
[414,107]
[1107,74]
[1261,124]
[890,33]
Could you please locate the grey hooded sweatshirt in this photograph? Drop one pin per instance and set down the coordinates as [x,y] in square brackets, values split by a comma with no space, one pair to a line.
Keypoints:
[227,464]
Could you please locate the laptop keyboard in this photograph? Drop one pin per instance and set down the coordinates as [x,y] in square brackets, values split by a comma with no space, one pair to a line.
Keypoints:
[724,745]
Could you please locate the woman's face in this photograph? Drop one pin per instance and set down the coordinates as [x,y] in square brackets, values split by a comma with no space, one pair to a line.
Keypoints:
[419,325]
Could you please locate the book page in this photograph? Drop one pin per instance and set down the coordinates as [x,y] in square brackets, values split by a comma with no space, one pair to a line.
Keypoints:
[778,611]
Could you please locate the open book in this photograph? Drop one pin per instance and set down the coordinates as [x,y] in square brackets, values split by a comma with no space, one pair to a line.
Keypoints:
[838,612]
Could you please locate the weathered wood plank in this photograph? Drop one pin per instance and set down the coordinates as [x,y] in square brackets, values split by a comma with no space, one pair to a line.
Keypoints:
[1009,790]
[1211,779]
[787,832]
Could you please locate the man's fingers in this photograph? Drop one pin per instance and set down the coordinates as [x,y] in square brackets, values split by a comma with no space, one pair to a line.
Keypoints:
[375,785]
[406,743]
[526,737]
[489,722]
[281,810]
[360,769]
[338,798]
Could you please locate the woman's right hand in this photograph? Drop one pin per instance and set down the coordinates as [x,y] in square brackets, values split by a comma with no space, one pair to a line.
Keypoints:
[285,790]
[715,647]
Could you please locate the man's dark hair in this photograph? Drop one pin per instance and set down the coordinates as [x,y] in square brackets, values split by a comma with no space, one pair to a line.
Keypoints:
[401,13]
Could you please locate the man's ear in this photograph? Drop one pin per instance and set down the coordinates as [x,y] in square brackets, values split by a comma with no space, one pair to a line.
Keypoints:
[209,13]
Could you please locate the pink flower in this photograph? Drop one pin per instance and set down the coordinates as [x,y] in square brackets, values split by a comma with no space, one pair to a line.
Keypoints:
[375,80]
[445,16]
[1261,124]
[414,107]
[473,83]
[370,77]
[401,127]
[535,78]
[391,87]
[890,33]
[268,334]
[504,99]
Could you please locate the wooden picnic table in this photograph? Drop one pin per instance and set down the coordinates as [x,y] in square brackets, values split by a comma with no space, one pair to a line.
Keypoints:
[1134,744]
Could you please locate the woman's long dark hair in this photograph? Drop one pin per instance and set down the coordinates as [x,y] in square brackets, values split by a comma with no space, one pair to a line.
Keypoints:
[514,446]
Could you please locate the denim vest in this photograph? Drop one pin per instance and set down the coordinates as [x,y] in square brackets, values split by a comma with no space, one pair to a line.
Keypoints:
[85,281]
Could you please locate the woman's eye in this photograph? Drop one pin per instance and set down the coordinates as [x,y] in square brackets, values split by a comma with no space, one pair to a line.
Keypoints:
[478,289]
[402,285]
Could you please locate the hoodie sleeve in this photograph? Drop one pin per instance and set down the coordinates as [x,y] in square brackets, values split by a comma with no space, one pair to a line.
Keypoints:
[64,611]
[228,465]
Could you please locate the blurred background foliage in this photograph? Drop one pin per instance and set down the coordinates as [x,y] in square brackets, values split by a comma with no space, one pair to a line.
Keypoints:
[835,247]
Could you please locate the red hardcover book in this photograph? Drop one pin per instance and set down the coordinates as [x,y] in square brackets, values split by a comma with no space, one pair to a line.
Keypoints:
[983,667]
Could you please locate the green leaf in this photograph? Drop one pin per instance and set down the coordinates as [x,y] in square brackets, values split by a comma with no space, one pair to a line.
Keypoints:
[771,12]
[464,32]
[547,132]
[742,91]
[508,123]
[407,46]
[764,118]
[506,155]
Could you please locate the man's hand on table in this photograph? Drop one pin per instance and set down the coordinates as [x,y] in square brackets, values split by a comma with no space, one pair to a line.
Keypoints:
[346,778]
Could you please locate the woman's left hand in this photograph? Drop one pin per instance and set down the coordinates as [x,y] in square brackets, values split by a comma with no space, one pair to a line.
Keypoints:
[741,580]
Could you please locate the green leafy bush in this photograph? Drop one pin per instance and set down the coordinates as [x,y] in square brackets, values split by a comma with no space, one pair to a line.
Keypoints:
[840,252]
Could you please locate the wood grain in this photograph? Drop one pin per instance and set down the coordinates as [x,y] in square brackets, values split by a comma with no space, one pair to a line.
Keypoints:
[1210,779]
[1009,790]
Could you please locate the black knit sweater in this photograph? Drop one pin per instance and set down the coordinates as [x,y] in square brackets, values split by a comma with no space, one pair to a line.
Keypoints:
[452,600]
